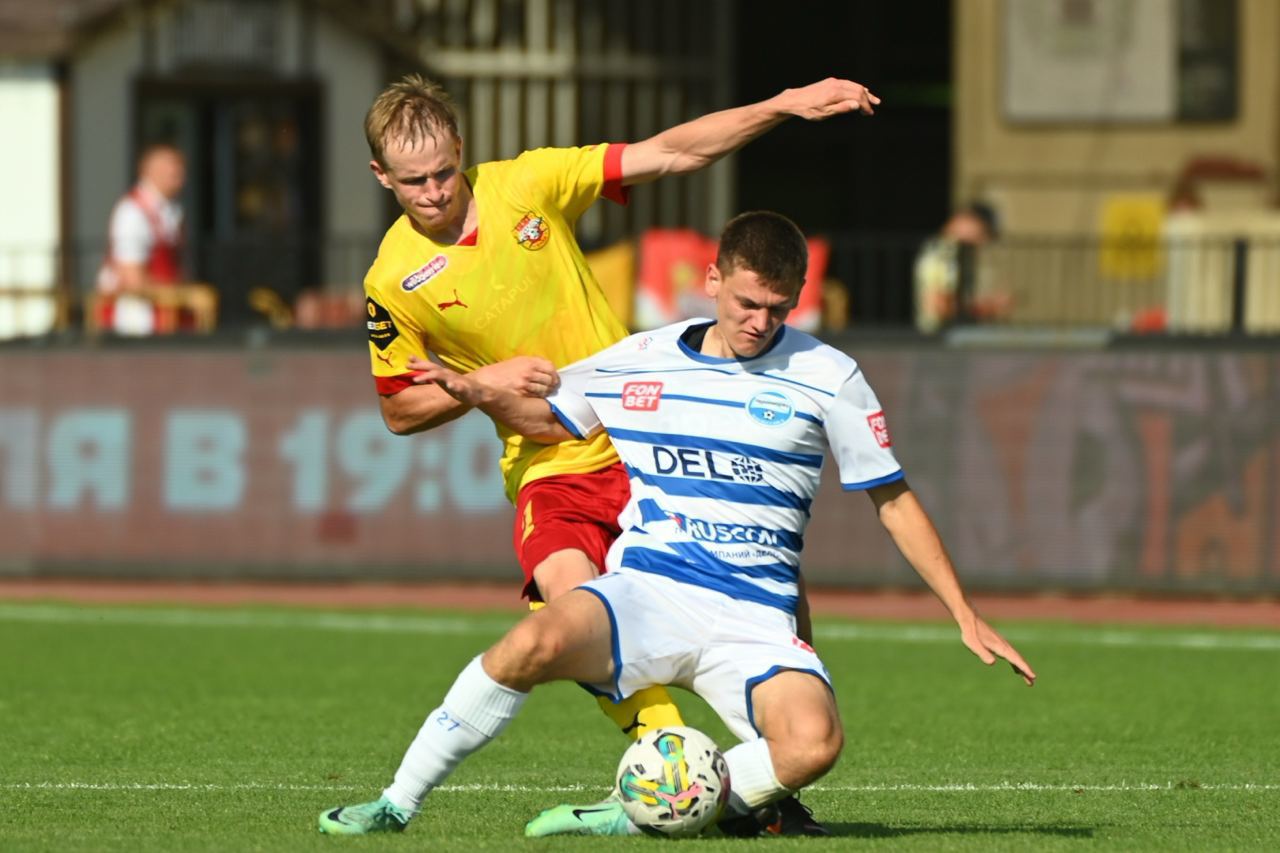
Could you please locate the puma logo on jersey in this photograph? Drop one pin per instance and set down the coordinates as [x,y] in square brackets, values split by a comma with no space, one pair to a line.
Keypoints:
[455,301]
[385,359]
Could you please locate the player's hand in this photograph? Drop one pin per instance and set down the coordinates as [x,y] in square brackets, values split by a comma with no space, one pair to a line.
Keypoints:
[462,388]
[526,375]
[985,642]
[828,98]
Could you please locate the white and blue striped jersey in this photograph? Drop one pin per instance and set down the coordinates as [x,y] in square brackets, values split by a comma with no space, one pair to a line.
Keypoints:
[724,455]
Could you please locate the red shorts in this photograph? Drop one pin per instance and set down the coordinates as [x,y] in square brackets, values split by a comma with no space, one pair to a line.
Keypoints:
[578,511]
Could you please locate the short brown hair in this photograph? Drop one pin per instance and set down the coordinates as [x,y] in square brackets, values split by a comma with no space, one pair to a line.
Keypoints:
[154,148]
[411,110]
[770,245]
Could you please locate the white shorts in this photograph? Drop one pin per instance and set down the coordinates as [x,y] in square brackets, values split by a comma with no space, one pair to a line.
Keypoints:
[667,632]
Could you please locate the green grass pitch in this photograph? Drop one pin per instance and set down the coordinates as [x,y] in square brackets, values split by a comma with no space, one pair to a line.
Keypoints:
[139,729]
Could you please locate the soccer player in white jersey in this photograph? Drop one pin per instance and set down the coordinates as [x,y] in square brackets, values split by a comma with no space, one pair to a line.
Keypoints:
[722,426]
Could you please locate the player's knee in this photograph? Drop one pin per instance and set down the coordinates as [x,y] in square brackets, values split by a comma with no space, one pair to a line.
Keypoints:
[826,751]
[524,657]
[561,572]
[810,749]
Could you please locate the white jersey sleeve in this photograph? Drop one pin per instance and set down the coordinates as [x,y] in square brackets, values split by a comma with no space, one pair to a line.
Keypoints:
[570,402]
[859,437]
[573,403]
[131,237]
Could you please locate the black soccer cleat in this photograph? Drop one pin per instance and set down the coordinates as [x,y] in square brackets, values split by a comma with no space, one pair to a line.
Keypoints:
[795,818]
[749,825]
[787,816]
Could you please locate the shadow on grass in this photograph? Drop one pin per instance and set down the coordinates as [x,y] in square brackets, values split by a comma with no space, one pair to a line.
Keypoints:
[880,830]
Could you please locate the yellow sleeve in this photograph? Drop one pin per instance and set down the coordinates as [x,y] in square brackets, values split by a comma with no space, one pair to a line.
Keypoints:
[393,338]
[571,179]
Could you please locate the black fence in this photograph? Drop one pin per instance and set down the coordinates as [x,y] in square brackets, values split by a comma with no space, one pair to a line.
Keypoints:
[1198,285]
[1189,285]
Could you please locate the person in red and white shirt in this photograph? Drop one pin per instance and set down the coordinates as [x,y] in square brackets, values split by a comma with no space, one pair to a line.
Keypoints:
[144,247]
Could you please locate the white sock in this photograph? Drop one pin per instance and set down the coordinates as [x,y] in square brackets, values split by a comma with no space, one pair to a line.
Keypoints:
[475,711]
[752,780]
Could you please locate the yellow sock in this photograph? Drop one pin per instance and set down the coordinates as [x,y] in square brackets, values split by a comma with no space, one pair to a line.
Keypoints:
[643,711]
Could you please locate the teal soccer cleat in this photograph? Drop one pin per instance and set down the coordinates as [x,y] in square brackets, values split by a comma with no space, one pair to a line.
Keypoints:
[379,816]
[604,818]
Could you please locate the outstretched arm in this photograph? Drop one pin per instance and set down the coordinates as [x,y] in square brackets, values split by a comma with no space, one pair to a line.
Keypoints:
[916,537]
[512,395]
[695,144]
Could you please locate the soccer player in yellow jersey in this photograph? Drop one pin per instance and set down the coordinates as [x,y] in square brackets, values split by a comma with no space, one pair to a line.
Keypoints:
[483,272]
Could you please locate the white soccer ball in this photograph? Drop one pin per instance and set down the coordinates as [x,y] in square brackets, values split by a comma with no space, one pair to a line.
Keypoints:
[673,781]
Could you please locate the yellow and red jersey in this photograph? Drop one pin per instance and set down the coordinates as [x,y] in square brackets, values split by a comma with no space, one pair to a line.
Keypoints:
[520,287]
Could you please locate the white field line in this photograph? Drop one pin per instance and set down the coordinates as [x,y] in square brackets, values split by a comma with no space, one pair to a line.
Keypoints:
[254,619]
[1226,640]
[493,787]
[490,626]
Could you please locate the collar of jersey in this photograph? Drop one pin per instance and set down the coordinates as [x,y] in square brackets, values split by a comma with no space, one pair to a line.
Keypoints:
[712,359]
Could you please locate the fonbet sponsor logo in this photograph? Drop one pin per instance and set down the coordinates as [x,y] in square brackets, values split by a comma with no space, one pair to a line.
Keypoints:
[382,329]
[880,429]
[704,464]
[771,408]
[718,531]
[424,274]
[642,396]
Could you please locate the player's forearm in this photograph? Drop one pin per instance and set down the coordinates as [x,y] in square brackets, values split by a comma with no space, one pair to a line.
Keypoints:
[918,540]
[418,408]
[693,145]
[529,416]
[697,144]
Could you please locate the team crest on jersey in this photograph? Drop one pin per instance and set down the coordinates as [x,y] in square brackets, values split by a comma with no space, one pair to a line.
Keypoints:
[880,429]
[771,408]
[424,274]
[642,396]
[532,231]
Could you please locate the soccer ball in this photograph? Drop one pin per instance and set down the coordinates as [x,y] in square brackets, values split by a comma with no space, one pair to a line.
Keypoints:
[673,781]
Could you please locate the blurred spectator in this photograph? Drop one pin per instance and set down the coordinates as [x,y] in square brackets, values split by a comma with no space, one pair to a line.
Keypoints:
[938,269]
[139,285]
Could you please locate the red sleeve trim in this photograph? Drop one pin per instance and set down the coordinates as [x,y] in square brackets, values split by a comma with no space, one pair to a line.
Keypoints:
[613,188]
[389,385]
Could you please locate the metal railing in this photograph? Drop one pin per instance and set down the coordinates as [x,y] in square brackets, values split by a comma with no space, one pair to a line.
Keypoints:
[1204,285]
[1189,285]
[1201,285]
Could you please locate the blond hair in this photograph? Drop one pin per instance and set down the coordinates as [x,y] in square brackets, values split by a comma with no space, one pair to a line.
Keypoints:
[410,110]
